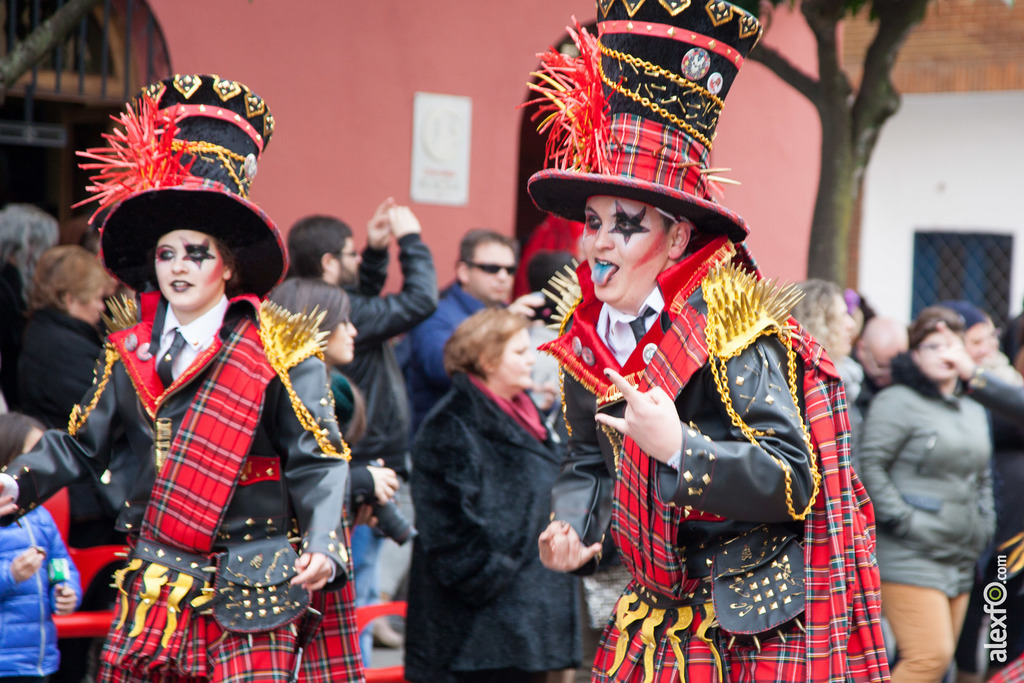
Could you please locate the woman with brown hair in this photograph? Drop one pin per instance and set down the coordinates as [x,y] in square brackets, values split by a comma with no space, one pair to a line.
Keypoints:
[483,467]
[62,343]
[925,463]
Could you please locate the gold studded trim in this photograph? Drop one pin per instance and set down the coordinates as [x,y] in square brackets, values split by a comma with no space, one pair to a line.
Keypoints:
[718,11]
[288,339]
[187,84]
[674,7]
[226,89]
[605,6]
[632,6]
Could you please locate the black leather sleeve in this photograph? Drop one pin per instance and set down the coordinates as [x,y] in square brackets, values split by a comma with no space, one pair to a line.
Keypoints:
[582,493]
[379,318]
[723,471]
[60,459]
[315,481]
[373,271]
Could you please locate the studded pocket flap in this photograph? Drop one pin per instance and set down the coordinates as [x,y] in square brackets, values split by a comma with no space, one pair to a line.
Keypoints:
[758,581]
[253,593]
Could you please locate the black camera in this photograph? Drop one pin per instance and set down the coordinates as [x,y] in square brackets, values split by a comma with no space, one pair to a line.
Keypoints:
[391,523]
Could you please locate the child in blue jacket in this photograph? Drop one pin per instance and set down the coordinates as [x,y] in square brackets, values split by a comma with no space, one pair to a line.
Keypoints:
[28,637]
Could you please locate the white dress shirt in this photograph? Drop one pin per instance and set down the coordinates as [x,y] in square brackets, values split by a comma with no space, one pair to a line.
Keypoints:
[613,325]
[199,335]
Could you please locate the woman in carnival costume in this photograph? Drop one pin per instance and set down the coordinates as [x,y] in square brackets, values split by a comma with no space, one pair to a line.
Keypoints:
[238,562]
[708,433]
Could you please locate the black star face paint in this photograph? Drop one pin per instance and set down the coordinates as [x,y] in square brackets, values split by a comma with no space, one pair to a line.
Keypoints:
[197,253]
[627,224]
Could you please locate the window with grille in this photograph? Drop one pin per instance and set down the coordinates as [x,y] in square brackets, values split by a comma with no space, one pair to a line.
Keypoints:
[973,266]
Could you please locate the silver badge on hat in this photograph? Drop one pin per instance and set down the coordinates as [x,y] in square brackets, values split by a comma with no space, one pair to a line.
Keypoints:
[131,342]
[715,82]
[649,352]
[696,63]
[143,353]
[250,166]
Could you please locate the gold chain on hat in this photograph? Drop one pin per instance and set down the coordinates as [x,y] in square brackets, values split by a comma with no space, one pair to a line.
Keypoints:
[638,64]
[225,155]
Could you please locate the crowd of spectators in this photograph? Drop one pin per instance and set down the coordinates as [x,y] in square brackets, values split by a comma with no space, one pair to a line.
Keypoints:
[445,396]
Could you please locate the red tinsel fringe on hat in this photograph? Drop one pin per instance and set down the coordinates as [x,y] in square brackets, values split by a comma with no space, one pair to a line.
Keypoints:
[574,104]
[139,157]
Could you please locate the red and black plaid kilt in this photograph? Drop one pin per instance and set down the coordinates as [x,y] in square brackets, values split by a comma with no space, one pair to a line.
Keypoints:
[334,653]
[198,652]
[778,659]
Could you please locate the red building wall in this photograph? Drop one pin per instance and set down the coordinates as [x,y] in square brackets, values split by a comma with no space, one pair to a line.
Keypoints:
[340,78]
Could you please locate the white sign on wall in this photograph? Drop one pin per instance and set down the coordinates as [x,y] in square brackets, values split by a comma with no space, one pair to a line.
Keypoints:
[440,149]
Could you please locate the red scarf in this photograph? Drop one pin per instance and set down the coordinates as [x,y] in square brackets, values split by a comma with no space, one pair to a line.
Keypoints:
[520,408]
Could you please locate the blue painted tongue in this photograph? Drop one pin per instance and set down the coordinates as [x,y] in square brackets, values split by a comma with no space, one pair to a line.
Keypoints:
[601,272]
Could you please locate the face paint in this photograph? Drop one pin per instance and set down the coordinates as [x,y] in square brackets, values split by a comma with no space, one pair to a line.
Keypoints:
[628,225]
[197,253]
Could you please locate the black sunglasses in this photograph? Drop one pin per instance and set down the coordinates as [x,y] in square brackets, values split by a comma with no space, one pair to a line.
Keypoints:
[492,268]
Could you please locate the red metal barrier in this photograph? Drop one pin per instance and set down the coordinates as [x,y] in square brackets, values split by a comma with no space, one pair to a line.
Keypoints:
[365,615]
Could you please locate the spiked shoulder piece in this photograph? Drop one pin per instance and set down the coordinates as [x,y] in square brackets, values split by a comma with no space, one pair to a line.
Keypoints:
[742,307]
[124,313]
[290,338]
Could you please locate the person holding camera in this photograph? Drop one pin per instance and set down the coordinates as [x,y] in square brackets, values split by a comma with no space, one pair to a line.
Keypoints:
[483,466]
[323,247]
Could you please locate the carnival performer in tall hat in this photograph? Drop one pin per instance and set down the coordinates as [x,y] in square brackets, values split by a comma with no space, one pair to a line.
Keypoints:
[235,522]
[709,434]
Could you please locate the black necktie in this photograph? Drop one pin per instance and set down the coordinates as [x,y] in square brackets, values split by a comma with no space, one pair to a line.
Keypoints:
[639,323]
[163,366]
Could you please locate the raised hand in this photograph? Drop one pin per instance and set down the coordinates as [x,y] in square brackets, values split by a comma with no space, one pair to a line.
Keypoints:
[378,228]
[650,419]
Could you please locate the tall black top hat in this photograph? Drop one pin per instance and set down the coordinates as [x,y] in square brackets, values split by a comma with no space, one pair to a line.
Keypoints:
[635,114]
[185,160]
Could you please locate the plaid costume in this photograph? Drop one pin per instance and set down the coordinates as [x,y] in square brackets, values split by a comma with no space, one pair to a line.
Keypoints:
[843,640]
[225,398]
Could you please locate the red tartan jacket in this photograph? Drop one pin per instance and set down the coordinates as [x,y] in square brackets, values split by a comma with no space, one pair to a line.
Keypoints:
[729,479]
[285,478]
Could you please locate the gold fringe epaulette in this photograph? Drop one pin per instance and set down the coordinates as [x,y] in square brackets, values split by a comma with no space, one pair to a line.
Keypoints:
[288,339]
[124,313]
[564,289]
[79,414]
[741,308]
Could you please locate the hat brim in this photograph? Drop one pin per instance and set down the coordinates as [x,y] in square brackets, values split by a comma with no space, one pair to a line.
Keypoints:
[565,193]
[132,229]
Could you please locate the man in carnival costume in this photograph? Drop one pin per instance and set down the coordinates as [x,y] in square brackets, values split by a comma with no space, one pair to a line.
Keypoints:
[235,522]
[708,433]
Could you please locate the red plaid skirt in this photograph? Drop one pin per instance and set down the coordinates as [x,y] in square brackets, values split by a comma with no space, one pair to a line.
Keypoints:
[707,656]
[202,651]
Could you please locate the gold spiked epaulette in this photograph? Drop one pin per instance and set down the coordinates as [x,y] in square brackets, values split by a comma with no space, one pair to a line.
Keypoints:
[741,308]
[564,289]
[290,338]
[124,313]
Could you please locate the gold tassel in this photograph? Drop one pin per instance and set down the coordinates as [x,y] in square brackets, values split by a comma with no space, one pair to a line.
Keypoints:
[179,589]
[152,581]
[119,584]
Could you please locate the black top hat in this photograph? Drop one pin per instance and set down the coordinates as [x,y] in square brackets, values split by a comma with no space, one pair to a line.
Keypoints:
[185,160]
[635,114]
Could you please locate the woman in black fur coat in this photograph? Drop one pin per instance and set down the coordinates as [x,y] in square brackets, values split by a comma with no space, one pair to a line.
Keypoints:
[481,605]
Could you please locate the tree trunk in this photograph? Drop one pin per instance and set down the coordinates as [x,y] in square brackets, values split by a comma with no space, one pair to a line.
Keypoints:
[34,47]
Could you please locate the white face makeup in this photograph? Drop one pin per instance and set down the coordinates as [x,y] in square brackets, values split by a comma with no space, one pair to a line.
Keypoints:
[627,245]
[191,273]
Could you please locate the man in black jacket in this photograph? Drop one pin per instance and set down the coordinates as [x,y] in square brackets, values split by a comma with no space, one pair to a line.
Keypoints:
[324,247]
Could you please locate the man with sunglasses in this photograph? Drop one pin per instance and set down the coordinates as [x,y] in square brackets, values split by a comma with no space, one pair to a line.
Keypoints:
[484,275]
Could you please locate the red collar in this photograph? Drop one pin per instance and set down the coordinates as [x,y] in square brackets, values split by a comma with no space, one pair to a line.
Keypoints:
[137,355]
[582,352]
